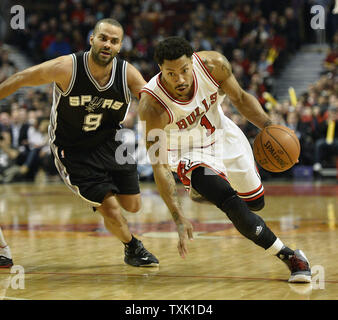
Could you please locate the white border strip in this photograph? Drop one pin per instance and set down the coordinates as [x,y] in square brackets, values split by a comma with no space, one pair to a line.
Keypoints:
[72,80]
[92,79]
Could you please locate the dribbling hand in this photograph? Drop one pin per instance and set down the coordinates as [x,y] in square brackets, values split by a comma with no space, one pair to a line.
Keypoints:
[185,232]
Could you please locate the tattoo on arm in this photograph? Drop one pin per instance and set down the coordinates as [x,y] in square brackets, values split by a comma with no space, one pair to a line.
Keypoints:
[209,67]
[226,66]
[172,192]
[222,64]
[267,123]
[166,185]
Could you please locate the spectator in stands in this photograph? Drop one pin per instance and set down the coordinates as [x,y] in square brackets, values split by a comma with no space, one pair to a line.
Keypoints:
[247,127]
[331,60]
[19,128]
[45,159]
[4,121]
[6,71]
[276,117]
[292,30]
[8,156]
[37,138]
[78,12]
[304,133]
[325,148]
[4,59]
[58,47]
[18,131]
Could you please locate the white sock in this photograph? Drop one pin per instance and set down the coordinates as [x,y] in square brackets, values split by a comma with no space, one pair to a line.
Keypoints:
[2,239]
[276,247]
[4,248]
[6,252]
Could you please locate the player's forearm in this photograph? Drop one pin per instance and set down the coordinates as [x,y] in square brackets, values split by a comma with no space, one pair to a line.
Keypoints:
[251,109]
[47,72]
[10,85]
[167,188]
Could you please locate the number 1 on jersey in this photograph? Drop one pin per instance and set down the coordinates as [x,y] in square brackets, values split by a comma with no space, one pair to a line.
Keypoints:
[207,125]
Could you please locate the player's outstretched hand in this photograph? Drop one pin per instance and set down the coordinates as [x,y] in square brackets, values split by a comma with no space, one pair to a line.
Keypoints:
[185,232]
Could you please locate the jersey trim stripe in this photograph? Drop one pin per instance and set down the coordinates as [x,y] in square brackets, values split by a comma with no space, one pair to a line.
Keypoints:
[53,115]
[251,192]
[125,115]
[205,69]
[181,102]
[254,198]
[65,176]
[125,82]
[161,102]
[72,80]
[252,195]
[186,181]
[92,79]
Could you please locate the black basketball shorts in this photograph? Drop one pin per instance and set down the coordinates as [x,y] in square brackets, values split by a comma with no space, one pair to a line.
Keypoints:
[92,174]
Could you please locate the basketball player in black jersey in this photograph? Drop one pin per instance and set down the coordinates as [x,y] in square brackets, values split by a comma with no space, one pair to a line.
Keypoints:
[179,67]
[91,98]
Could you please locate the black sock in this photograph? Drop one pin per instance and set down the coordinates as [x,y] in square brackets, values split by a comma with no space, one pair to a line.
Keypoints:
[132,243]
[285,252]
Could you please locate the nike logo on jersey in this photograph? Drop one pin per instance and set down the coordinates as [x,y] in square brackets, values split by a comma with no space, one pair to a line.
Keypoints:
[93,103]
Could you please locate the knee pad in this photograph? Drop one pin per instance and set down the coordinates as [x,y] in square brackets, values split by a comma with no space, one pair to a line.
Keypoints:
[257,204]
[240,215]
[248,223]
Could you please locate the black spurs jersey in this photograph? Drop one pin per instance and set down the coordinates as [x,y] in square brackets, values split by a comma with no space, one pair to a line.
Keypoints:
[86,115]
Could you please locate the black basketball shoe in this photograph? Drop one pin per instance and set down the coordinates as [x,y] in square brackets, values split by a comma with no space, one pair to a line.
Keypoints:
[5,262]
[298,265]
[139,256]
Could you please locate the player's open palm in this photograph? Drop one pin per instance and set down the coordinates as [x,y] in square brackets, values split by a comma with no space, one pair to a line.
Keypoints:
[185,232]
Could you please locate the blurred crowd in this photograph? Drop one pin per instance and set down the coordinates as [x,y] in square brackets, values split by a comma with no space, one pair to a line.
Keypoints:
[258,37]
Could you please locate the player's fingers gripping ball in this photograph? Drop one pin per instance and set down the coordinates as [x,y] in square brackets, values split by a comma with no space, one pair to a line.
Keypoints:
[276,148]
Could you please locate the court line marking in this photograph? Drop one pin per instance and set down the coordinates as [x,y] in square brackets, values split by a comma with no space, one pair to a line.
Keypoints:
[162,276]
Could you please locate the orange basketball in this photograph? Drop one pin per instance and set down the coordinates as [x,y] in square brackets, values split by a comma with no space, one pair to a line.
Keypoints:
[276,148]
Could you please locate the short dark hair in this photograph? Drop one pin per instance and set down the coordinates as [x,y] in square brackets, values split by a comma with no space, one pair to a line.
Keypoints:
[107,20]
[172,48]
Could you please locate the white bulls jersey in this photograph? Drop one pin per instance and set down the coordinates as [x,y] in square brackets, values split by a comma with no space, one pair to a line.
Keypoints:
[198,117]
[198,133]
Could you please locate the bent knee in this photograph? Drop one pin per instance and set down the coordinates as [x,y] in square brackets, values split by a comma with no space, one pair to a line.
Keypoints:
[195,196]
[257,204]
[111,213]
[133,206]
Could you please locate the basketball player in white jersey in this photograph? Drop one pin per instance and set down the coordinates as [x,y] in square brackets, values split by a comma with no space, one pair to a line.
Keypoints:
[182,101]
[92,93]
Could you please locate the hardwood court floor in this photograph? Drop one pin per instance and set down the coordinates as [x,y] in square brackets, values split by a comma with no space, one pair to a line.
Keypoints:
[66,253]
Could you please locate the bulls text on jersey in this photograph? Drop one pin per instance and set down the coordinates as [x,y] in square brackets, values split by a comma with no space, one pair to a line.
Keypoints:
[196,114]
